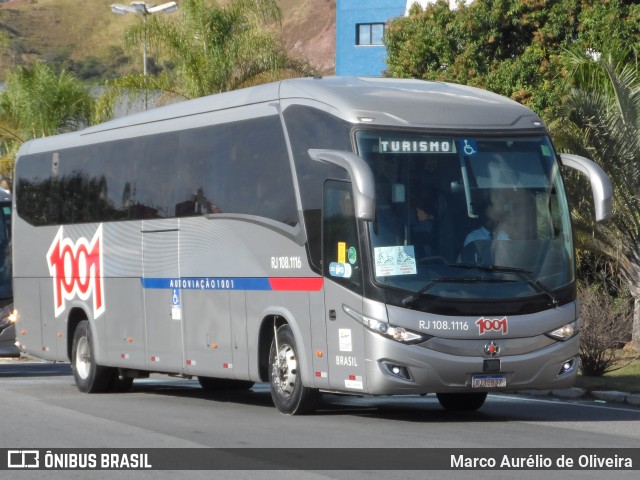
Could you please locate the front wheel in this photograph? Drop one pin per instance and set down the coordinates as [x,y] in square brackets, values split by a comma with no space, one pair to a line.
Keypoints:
[462,402]
[89,376]
[289,395]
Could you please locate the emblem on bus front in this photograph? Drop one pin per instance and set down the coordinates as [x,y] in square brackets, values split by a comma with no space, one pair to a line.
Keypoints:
[492,325]
[491,349]
[76,269]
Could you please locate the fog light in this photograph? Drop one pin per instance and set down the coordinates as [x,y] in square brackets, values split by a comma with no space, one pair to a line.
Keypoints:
[397,371]
[567,366]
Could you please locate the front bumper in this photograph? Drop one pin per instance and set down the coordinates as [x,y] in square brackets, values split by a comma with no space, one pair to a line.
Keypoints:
[424,370]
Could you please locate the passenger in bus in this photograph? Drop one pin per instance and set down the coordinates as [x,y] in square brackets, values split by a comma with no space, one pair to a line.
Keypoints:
[492,217]
[423,234]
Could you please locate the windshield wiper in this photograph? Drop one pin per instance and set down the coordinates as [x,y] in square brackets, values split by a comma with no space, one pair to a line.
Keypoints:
[411,299]
[521,272]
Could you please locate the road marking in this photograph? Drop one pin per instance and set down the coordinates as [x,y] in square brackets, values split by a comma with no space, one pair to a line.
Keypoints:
[622,406]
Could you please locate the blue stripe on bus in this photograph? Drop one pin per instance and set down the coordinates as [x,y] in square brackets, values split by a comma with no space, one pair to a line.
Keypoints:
[207,283]
[300,284]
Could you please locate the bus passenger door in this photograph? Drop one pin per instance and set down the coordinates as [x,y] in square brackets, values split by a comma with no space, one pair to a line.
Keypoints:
[162,295]
[343,289]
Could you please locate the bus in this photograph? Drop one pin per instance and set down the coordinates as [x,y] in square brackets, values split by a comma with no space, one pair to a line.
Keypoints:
[311,233]
[8,346]
[6,291]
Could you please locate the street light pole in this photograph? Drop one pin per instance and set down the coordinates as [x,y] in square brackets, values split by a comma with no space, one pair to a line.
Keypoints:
[142,9]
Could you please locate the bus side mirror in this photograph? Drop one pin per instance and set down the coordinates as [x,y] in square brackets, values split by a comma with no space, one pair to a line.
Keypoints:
[600,183]
[361,176]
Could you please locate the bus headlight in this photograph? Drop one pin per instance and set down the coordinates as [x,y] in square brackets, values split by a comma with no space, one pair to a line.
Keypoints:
[399,334]
[565,332]
[8,317]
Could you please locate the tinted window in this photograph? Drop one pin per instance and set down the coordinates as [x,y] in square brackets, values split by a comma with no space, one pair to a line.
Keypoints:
[312,128]
[340,237]
[241,168]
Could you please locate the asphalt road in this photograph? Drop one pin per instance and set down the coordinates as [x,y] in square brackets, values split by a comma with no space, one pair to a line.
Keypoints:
[43,409]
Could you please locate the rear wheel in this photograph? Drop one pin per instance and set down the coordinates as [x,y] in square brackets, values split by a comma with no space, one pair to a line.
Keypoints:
[462,402]
[89,376]
[289,395]
[209,384]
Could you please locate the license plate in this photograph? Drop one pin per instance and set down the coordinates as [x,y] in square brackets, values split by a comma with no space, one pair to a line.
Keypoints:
[488,381]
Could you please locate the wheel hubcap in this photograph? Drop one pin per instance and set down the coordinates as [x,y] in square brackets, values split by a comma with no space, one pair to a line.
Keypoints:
[285,370]
[83,362]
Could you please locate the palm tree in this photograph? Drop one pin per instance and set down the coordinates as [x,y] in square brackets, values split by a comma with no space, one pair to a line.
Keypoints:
[37,102]
[213,47]
[600,119]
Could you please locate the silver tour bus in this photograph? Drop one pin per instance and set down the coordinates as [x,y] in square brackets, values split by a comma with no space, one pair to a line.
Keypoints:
[360,236]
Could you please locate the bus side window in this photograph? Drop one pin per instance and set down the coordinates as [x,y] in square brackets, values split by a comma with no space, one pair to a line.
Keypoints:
[342,254]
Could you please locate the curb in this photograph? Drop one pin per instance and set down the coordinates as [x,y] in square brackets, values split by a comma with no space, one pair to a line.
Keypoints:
[599,396]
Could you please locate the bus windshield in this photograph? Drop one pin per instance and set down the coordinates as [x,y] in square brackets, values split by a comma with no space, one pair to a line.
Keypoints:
[473,217]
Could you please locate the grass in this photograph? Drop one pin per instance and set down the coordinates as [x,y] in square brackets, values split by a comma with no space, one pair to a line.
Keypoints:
[627,379]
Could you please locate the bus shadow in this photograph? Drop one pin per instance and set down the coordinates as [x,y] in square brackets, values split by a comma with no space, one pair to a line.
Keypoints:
[255,397]
[414,409]
[17,369]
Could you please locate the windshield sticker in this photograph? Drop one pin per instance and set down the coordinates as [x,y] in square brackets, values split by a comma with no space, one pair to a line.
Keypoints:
[352,255]
[470,147]
[338,269]
[342,252]
[546,151]
[412,145]
[400,260]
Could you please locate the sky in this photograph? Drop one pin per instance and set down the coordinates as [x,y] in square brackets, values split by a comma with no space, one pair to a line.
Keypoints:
[452,3]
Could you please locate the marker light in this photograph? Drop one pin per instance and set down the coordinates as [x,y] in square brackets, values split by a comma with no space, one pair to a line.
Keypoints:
[565,332]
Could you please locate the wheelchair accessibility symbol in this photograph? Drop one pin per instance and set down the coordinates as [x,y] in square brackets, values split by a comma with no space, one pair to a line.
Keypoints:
[176,308]
[175,297]
[470,147]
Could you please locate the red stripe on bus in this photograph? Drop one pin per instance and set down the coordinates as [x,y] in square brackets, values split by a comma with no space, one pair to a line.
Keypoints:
[299,284]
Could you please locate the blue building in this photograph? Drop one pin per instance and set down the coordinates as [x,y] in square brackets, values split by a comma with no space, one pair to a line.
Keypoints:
[359,29]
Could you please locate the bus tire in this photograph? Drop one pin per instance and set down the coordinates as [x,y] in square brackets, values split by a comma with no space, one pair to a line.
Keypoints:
[213,385]
[287,392]
[89,376]
[462,402]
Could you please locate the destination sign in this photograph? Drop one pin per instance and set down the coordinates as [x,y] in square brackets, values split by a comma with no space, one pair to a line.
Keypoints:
[416,145]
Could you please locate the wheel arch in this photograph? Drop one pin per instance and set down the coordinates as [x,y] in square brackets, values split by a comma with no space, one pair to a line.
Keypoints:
[265,338]
[76,315]
[280,317]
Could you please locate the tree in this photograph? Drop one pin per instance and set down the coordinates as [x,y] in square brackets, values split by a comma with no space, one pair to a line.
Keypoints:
[604,326]
[512,47]
[600,118]
[36,102]
[213,47]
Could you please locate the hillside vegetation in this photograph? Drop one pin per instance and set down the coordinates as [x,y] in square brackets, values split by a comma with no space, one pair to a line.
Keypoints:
[88,38]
